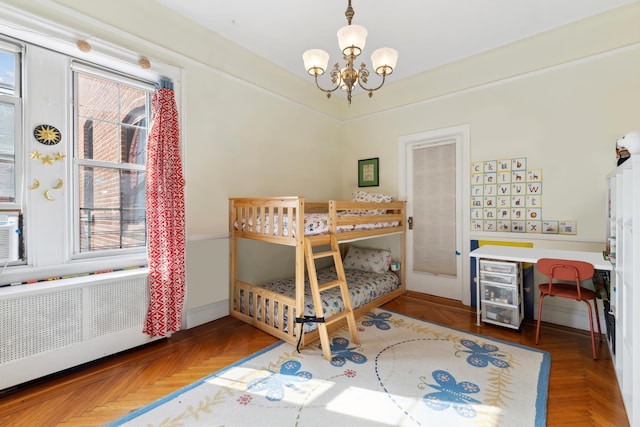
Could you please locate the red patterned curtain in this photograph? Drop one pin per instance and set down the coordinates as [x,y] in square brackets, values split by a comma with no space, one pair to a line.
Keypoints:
[165,216]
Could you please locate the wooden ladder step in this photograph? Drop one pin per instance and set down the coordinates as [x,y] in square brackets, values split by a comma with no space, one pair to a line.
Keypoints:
[337,317]
[323,254]
[328,285]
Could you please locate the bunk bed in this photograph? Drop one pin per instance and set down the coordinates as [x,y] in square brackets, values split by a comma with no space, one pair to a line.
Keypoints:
[273,307]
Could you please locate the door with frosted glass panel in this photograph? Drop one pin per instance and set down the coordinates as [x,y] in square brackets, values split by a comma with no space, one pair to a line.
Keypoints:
[434,240]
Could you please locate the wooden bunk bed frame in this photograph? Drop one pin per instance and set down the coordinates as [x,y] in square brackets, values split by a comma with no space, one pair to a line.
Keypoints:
[260,309]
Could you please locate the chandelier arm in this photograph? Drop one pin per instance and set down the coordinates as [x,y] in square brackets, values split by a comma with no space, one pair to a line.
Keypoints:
[327,91]
[371,89]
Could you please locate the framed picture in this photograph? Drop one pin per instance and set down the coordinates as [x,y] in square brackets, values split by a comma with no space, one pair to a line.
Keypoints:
[368,173]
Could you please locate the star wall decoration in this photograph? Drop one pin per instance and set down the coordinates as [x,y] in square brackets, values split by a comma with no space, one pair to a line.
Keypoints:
[48,160]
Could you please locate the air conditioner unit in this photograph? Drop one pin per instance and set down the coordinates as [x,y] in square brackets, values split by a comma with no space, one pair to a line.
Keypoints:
[9,234]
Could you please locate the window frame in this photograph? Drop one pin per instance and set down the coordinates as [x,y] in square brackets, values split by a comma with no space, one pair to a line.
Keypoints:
[120,78]
[18,102]
[46,225]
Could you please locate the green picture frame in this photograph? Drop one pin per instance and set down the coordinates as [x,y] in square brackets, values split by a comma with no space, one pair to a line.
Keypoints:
[369,172]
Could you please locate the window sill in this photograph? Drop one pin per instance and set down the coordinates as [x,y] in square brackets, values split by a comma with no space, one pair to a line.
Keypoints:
[26,273]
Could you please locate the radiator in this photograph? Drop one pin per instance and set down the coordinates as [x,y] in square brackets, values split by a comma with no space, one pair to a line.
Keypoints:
[52,326]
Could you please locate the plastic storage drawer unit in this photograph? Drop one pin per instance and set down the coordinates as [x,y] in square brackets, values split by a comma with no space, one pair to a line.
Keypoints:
[498,293]
[498,267]
[500,314]
[505,279]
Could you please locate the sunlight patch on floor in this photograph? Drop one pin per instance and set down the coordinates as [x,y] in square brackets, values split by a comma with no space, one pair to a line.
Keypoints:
[411,409]
[239,378]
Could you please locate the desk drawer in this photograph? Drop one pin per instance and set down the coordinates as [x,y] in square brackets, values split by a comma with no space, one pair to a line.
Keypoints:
[498,293]
[500,314]
[504,279]
[499,267]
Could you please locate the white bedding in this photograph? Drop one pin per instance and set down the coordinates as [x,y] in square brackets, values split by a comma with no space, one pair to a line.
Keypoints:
[314,224]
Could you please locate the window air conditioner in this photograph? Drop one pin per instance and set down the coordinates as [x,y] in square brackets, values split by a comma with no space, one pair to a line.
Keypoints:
[8,238]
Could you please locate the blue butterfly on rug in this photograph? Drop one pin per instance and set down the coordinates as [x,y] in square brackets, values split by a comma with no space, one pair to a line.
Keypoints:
[481,356]
[275,383]
[341,352]
[451,393]
[378,320]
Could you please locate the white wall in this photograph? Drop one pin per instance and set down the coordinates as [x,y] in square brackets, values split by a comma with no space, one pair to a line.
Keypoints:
[560,99]
[565,121]
[250,128]
[245,131]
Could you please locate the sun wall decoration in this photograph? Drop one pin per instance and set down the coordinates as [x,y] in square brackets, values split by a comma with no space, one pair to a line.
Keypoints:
[47,134]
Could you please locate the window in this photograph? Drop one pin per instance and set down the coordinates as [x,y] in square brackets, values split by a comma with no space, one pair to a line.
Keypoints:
[10,122]
[78,202]
[111,118]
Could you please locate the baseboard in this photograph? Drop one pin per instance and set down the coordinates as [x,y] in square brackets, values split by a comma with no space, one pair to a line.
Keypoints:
[206,313]
[569,317]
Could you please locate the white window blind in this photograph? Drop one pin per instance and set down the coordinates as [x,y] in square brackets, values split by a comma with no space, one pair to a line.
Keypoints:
[434,212]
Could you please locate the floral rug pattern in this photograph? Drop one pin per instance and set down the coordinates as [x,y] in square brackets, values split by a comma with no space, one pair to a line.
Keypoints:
[405,372]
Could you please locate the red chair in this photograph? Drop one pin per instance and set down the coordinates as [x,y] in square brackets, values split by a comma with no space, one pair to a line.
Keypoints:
[573,271]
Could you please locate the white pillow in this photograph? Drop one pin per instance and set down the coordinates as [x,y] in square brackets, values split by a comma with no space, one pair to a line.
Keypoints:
[367,259]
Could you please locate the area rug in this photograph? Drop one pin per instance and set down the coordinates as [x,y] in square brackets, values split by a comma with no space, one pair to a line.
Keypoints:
[405,372]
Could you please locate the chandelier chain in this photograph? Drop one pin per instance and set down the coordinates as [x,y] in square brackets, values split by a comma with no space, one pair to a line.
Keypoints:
[349,13]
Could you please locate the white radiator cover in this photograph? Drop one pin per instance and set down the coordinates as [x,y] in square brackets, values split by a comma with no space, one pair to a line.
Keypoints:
[51,326]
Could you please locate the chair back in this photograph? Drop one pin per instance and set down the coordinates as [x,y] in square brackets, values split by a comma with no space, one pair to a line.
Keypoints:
[565,269]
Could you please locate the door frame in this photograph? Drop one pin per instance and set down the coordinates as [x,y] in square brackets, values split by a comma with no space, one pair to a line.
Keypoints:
[460,134]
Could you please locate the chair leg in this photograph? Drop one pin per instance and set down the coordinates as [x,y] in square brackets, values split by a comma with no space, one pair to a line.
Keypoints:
[539,317]
[593,339]
[595,305]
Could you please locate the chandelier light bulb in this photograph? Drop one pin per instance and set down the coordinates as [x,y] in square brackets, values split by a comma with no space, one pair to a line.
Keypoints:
[352,36]
[384,60]
[315,61]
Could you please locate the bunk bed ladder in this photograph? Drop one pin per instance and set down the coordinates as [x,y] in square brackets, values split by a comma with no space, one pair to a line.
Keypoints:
[316,288]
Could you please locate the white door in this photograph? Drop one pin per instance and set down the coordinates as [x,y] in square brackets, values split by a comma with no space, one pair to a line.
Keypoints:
[435,188]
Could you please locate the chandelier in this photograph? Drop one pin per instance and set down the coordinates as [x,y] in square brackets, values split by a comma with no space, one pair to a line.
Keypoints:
[351,39]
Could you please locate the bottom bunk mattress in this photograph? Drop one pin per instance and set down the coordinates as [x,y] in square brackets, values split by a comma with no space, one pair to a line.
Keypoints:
[364,287]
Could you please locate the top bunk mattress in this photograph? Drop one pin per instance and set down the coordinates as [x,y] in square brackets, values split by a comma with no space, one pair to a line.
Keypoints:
[314,224]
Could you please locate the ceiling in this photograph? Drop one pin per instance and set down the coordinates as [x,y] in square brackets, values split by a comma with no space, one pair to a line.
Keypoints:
[426,33]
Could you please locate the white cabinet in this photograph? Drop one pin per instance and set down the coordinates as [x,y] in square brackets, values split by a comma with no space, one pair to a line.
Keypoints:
[623,213]
[501,292]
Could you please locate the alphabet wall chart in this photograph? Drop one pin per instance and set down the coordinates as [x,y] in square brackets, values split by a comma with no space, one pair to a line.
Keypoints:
[507,197]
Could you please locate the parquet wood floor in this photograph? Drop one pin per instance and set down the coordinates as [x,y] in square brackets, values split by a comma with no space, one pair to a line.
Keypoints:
[582,392]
